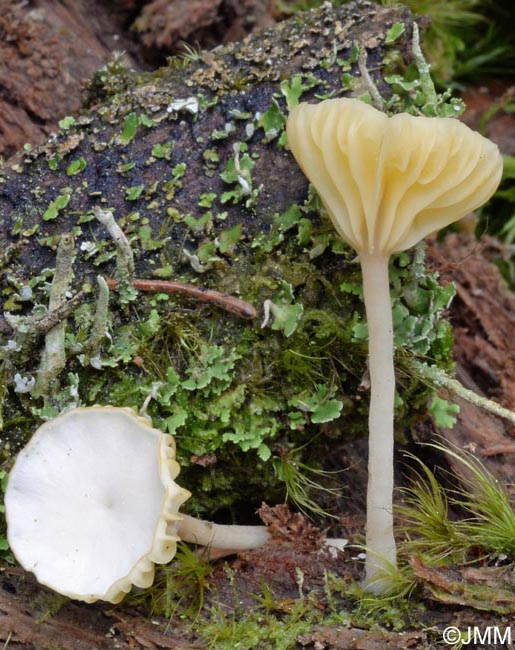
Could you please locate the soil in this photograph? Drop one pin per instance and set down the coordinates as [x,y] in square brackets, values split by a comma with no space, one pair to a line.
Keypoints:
[47,50]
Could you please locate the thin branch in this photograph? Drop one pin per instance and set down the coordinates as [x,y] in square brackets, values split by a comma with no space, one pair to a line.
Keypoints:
[440,379]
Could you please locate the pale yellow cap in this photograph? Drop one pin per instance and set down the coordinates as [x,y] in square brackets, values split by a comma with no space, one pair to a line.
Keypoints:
[387,182]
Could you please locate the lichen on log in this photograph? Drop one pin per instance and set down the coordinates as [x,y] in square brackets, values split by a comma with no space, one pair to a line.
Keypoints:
[227,83]
[192,164]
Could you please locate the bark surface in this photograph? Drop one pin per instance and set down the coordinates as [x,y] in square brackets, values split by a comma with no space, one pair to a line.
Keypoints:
[48,49]
[230,81]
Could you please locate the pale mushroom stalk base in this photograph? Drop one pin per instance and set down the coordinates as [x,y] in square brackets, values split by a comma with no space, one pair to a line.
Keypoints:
[221,536]
[225,539]
[380,542]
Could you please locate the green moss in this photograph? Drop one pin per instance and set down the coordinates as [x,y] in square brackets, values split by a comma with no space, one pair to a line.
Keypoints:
[238,395]
[258,631]
[269,622]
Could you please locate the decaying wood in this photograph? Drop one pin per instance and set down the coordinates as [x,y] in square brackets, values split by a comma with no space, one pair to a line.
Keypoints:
[164,24]
[24,626]
[242,77]
[39,620]
[336,638]
[47,51]
[487,588]
[483,318]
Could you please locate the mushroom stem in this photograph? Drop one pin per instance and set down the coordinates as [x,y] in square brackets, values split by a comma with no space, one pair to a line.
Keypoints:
[380,542]
[220,536]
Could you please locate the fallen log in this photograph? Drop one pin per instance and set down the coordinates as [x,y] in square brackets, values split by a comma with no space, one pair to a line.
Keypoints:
[182,176]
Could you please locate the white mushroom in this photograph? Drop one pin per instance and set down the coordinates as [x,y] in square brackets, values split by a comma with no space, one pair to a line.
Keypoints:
[91,504]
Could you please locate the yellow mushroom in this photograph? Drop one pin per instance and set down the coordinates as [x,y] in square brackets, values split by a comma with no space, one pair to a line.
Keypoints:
[386,183]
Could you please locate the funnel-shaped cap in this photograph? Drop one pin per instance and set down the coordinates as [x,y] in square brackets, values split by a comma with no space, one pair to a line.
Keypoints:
[387,182]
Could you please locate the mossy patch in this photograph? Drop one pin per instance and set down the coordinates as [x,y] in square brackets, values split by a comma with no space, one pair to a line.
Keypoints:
[238,395]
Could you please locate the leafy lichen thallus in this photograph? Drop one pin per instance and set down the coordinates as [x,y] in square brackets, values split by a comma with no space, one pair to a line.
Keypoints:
[386,183]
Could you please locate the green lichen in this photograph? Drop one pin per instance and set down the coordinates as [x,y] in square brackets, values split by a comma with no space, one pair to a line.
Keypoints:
[163,150]
[53,359]
[57,205]
[234,393]
[93,344]
[414,91]
[76,167]
[238,174]
[272,122]
[124,257]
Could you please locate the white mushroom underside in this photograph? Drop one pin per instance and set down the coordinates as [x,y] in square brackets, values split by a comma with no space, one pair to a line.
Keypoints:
[84,501]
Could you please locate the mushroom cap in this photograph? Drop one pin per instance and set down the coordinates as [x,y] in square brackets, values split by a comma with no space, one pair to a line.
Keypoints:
[91,503]
[387,182]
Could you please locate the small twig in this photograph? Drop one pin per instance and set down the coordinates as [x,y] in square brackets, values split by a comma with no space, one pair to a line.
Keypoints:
[228,303]
[500,449]
[375,95]
[32,327]
[441,380]
[45,323]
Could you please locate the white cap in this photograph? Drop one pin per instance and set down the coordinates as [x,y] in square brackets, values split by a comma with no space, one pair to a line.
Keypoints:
[91,503]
